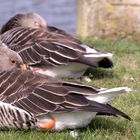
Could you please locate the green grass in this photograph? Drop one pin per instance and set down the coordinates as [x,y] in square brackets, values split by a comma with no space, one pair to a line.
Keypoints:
[126,72]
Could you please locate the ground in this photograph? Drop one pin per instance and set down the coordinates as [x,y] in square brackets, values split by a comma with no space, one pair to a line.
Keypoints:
[126,72]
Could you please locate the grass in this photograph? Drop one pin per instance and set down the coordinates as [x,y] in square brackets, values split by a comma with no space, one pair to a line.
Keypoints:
[126,72]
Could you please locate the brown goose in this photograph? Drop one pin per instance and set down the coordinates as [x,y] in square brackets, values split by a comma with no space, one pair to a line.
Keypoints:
[32,100]
[50,50]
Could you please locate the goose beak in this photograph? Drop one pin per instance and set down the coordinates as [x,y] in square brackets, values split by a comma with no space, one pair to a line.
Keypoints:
[23,67]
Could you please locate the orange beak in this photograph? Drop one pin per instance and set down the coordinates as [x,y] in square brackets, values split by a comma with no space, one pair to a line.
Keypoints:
[23,67]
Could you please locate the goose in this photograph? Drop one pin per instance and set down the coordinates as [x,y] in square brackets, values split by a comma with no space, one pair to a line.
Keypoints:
[29,99]
[50,50]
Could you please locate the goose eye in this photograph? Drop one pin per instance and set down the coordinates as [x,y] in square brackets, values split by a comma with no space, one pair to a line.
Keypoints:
[13,61]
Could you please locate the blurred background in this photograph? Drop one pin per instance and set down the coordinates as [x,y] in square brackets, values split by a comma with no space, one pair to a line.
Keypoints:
[60,13]
[96,18]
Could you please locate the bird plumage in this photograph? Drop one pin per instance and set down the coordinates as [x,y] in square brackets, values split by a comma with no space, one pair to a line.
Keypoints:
[51,48]
[39,96]
[29,99]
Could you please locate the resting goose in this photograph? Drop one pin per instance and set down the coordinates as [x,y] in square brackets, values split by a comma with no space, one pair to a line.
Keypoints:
[50,50]
[32,100]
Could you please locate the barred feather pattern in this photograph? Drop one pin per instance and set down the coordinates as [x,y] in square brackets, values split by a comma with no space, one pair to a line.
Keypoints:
[25,95]
[48,48]
[40,47]
[40,94]
[13,117]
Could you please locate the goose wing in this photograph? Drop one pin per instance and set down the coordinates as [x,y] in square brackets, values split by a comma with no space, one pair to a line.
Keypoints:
[62,32]
[42,47]
[39,94]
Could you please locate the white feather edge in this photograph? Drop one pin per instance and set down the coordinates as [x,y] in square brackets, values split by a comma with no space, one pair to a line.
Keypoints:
[95,54]
[107,95]
[99,56]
